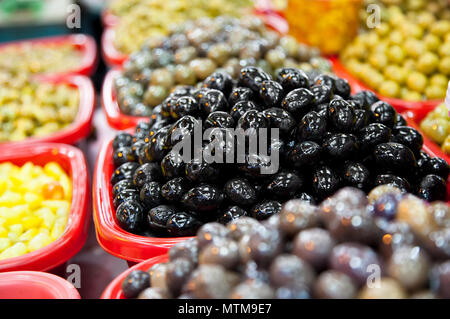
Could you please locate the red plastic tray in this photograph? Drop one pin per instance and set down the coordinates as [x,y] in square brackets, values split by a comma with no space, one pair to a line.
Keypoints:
[112,56]
[81,127]
[418,108]
[116,119]
[35,285]
[70,242]
[81,42]
[114,289]
[110,236]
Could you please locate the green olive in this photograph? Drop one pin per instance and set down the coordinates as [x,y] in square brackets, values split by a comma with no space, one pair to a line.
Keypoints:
[185,75]
[428,63]
[416,81]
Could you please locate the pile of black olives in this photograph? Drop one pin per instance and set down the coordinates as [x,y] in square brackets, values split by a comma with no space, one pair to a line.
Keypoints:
[350,246]
[328,139]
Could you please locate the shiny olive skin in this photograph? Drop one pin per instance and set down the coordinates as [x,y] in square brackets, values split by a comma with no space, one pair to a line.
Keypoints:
[149,172]
[384,113]
[305,153]
[150,194]
[342,88]
[121,140]
[325,79]
[137,148]
[325,181]
[284,184]
[219,119]
[322,93]
[356,175]
[134,283]
[394,180]
[221,81]
[240,94]
[372,135]
[395,157]
[240,191]
[130,216]
[361,120]
[204,197]
[253,77]
[341,115]
[252,119]
[231,213]
[271,93]
[212,101]
[432,188]
[281,119]
[240,108]
[174,189]
[437,166]
[122,185]
[183,224]
[157,149]
[408,136]
[124,195]
[158,216]
[122,155]
[180,129]
[124,171]
[172,165]
[298,102]
[265,209]
[312,127]
[340,146]
[365,99]
[201,171]
[185,105]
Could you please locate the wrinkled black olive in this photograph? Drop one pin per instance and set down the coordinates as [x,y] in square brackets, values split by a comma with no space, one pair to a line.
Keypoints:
[219,119]
[298,102]
[173,190]
[204,197]
[240,108]
[172,165]
[384,113]
[281,119]
[240,191]
[253,77]
[325,182]
[437,166]
[356,175]
[408,136]
[389,179]
[341,115]
[150,194]
[395,157]
[185,105]
[340,146]
[231,213]
[322,93]
[342,88]
[284,184]
[292,79]
[372,135]
[212,101]
[221,81]
[121,140]
[252,119]
[240,94]
[130,216]
[124,171]
[266,209]
[146,173]
[432,188]
[158,217]
[183,224]
[312,127]
[304,153]
[271,93]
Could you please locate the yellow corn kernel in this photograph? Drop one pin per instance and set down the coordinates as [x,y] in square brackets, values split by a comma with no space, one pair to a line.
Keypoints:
[28,235]
[54,205]
[54,170]
[66,184]
[39,241]
[16,229]
[48,219]
[30,222]
[32,199]
[58,228]
[3,232]
[4,243]
[10,199]
[14,251]
[3,186]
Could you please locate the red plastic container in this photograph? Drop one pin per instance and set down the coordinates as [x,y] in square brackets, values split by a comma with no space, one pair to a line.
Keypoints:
[70,242]
[116,119]
[35,285]
[418,108]
[110,236]
[85,44]
[114,289]
[112,56]
[109,19]
[81,127]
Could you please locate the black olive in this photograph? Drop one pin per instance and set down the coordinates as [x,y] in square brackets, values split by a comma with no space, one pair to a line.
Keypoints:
[124,171]
[231,213]
[142,157]
[173,190]
[341,115]
[256,166]
[356,175]
[121,140]
[122,155]
[150,194]
[389,179]
[312,127]
[365,99]
[271,93]
[432,188]
[266,209]
[372,135]
[325,182]
[138,148]
[219,119]
[298,102]
[200,171]
[395,157]
[252,77]
[124,195]
[322,93]
[240,94]
[325,79]
[134,283]
[183,127]
[183,224]
[252,119]
[240,108]
[408,136]
[384,113]
[437,166]
[240,191]
[401,121]
[292,79]
[130,216]
[340,146]
[221,81]
[185,105]
[157,148]
[204,197]
[306,198]
[281,119]
[213,100]
[158,217]
[342,88]
[172,165]
[146,173]
[362,120]
[284,185]
[122,185]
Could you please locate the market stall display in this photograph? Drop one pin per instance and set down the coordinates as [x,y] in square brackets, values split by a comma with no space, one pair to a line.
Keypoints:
[407,57]
[308,251]
[191,54]
[44,221]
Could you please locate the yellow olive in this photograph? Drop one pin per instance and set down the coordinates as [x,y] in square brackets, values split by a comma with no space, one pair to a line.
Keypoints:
[434,92]
[428,63]
[396,54]
[439,80]
[416,81]
[444,66]
[432,42]
[389,88]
